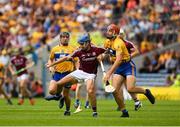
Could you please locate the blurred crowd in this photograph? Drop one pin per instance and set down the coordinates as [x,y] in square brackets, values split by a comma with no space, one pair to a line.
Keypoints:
[166,62]
[150,24]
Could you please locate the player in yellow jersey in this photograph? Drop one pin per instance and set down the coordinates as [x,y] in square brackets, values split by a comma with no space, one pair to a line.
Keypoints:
[122,68]
[133,50]
[2,78]
[60,71]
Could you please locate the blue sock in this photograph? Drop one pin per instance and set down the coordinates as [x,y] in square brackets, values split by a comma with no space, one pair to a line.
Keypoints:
[87,103]
[77,101]
[124,111]
[58,95]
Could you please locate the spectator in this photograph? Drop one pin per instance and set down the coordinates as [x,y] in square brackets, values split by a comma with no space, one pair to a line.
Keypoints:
[145,46]
[172,63]
[37,89]
[146,65]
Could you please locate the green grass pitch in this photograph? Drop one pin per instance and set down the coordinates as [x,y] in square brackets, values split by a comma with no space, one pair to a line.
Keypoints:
[44,113]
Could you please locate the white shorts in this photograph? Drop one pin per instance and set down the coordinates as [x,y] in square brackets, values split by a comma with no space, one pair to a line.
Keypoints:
[82,76]
[22,77]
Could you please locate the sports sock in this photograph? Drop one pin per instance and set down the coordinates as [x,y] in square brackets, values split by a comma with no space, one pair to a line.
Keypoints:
[94,109]
[87,103]
[20,96]
[124,111]
[67,108]
[77,101]
[30,97]
[58,95]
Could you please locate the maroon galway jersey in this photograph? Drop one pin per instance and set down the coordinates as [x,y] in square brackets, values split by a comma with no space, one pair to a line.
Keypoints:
[88,59]
[129,46]
[19,62]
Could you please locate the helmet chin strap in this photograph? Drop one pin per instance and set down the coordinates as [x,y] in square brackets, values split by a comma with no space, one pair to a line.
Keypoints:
[65,44]
[111,37]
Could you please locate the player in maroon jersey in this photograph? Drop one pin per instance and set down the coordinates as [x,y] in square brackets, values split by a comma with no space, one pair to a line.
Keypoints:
[88,60]
[18,67]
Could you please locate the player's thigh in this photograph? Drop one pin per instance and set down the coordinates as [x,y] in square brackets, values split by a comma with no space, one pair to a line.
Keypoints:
[23,80]
[69,79]
[130,81]
[117,81]
[23,83]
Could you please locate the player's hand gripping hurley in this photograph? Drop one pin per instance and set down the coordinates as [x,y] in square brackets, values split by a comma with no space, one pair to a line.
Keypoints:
[23,69]
[108,87]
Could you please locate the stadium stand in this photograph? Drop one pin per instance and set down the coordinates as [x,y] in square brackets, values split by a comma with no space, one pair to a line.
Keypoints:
[152,79]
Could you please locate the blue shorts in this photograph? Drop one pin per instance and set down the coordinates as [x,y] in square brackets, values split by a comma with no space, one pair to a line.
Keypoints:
[58,76]
[126,68]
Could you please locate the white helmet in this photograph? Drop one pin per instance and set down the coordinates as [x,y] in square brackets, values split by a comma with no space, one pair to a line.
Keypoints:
[122,33]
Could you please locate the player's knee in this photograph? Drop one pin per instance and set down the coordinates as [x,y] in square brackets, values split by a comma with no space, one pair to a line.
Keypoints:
[90,92]
[52,91]
[130,88]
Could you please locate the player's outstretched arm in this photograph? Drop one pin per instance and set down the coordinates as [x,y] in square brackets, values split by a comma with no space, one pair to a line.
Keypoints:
[100,57]
[58,61]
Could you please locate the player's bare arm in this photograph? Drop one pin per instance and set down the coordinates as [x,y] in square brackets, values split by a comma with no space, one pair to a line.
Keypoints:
[59,61]
[11,69]
[100,57]
[103,56]
[135,51]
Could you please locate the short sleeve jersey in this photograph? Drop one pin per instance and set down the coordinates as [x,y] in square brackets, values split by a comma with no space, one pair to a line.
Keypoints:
[129,45]
[60,51]
[88,59]
[116,47]
[19,62]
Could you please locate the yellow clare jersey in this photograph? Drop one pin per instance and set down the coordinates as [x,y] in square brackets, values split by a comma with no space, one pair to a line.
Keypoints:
[117,47]
[60,51]
[1,70]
